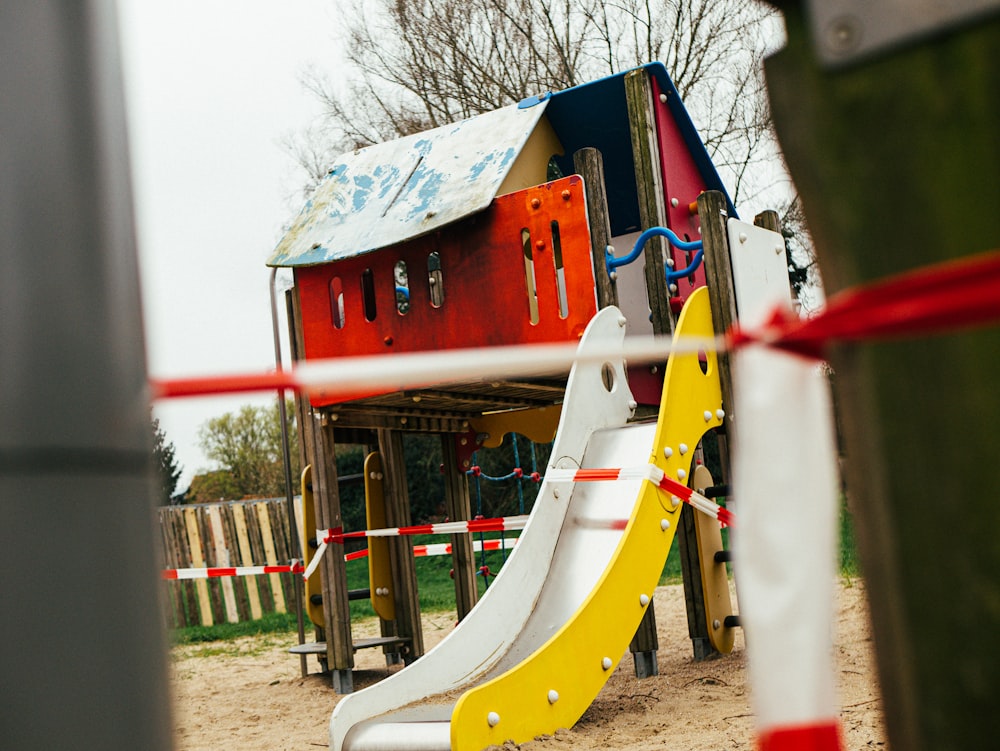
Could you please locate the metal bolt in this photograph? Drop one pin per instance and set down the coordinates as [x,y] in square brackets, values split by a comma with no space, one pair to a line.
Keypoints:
[715,623]
[843,35]
[566,195]
[431,215]
[606,663]
[684,448]
[536,203]
[664,524]
[778,249]
[743,237]
[555,493]
[668,452]
[644,600]
[663,98]
[403,421]
[493,719]
[622,320]
[674,202]
[540,244]
[553,696]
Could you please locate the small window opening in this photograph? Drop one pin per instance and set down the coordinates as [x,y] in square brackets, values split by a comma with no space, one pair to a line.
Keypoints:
[529,276]
[557,259]
[435,279]
[368,294]
[402,280]
[337,302]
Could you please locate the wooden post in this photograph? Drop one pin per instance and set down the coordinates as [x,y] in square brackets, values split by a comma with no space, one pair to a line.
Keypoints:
[652,213]
[458,505]
[590,165]
[336,608]
[397,512]
[649,186]
[896,159]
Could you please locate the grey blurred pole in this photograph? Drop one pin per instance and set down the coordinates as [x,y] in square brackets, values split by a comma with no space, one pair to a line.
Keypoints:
[81,638]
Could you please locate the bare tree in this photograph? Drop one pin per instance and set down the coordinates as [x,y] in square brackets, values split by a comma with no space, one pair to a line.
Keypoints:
[418,64]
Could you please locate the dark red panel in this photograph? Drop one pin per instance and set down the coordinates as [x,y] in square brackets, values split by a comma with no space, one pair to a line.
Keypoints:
[682,184]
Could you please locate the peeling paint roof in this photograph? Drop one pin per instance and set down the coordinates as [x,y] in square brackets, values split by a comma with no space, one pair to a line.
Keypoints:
[391,192]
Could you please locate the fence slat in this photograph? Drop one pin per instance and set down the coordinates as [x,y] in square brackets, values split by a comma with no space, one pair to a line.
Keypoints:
[198,561]
[267,538]
[246,559]
[222,558]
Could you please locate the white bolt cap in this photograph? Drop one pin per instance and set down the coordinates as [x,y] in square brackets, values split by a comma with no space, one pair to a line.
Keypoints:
[681,474]
[668,452]
[708,415]
[720,413]
[664,524]
[493,719]
[684,448]
[553,696]
[606,663]
[675,501]
[644,600]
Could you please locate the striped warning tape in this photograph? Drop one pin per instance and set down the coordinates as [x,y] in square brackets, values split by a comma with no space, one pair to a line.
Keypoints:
[419,551]
[656,476]
[337,535]
[445,548]
[295,567]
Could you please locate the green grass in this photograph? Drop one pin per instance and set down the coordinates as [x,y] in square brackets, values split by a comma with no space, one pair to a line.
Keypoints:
[437,592]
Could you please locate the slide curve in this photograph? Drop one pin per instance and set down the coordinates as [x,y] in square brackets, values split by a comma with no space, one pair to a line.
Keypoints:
[546,636]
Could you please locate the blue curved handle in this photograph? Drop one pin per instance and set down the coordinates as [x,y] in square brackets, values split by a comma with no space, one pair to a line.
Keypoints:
[673,276]
[613,263]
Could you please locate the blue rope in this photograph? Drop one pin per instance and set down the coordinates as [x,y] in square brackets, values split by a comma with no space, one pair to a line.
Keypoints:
[613,263]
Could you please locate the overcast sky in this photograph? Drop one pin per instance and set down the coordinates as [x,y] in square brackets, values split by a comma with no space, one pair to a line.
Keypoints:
[212,86]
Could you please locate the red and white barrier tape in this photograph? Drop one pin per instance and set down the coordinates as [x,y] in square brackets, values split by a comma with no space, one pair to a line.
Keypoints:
[949,296]
[445,548]
[222,571]
[498,524]
[656,476]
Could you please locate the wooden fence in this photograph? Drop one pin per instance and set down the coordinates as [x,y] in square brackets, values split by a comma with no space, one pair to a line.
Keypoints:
[237,533]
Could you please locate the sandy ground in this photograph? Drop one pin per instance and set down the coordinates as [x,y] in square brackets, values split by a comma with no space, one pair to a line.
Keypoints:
[249,694]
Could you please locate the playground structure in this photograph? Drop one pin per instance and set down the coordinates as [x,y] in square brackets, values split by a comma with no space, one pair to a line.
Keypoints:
[67,449]
[505,229]
[498,230]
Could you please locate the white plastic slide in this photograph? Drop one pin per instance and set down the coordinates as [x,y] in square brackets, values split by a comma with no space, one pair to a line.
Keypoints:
[533,653]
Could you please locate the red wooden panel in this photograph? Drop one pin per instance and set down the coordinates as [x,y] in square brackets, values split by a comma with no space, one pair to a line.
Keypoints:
[681,181]
[485,292]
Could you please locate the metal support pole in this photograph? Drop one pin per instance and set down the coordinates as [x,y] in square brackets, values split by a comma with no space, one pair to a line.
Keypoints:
[76,476]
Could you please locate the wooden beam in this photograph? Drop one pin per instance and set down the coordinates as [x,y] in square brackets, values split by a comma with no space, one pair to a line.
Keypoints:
[896,160]
[336,608]
[589,164]
[458,506]
[397,511]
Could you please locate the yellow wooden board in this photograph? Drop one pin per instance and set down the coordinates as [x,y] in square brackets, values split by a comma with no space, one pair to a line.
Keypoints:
[379,569]
[538,425]
[554,686]
[714,581]
[198,561]
[314,584]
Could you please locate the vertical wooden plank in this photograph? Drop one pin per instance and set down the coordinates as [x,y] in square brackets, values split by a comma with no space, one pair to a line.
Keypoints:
[175,593]
[197,560]
[270,556]
[183,558]
[397,509]
[652,213]
[458,506]
[222,558]
[589,164]
[649,184]
[208,549]
[232,545]
[246,559]
[282,546]
[336,608]
[257,551]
